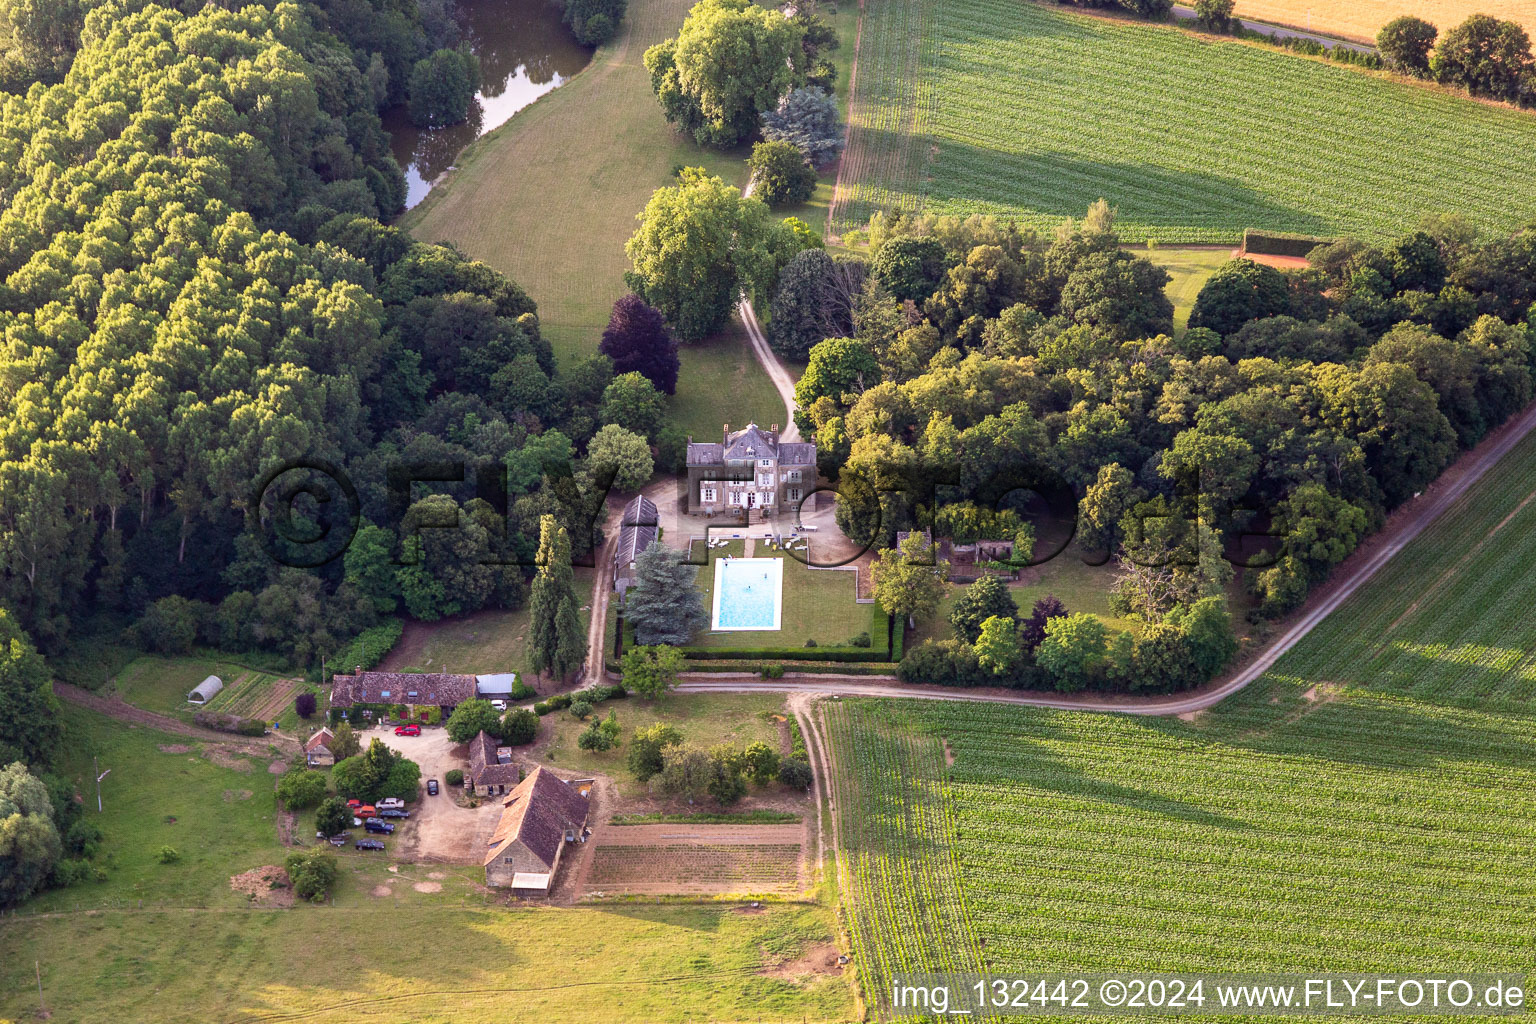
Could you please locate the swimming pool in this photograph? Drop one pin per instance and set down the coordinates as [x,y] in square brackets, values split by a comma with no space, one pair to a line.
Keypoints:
[747,593]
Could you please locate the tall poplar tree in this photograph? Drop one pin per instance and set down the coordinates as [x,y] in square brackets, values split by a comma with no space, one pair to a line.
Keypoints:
[556,642]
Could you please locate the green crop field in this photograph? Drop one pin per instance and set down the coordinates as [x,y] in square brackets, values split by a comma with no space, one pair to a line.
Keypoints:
[1277,833]
[1021,109]
[1366,806]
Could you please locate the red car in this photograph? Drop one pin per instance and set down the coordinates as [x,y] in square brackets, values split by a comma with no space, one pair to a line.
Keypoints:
[354,804]
[407,730]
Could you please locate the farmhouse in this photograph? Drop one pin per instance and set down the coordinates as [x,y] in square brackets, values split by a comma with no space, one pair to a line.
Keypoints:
[538,819]
[413,689]
[317,749]
[491,768]
[205,690]
[749,469]
[638,531]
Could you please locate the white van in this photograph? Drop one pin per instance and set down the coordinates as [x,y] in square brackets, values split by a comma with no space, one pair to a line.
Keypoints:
[391,803]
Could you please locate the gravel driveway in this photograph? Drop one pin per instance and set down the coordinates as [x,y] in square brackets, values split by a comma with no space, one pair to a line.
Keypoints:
[439,829]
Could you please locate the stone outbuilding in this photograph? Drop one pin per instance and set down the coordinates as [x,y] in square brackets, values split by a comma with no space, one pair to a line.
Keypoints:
[492,771]
[539,819]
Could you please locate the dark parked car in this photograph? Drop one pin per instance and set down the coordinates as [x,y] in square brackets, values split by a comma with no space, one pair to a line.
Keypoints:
[431,787]
[369,844]
[394,813]
[381,827]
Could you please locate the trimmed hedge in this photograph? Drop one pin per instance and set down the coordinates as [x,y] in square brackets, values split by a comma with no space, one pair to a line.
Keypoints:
[849,654]
[879,668]
[221,722]
[1278,243]
[593,695]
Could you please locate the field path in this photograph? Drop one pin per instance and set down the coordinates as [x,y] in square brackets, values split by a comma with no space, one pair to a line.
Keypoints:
[122,711]
[1188,14]
[1406,524]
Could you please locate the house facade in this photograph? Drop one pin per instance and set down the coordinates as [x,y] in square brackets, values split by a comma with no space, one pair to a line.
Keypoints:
[539,819]
[750,469]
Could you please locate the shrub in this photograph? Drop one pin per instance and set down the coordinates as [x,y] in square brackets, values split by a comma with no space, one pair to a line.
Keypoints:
[543,708]
[859,639]
[519,726]
[333,816]
[780,173]
[762,763]
[168,855]
[522,691]
[773,671]
[312,873]
[1215,15]
[251,727]
[454,777]
[304,705]
[300,787]
[580,709]
[810,642]
[796,773]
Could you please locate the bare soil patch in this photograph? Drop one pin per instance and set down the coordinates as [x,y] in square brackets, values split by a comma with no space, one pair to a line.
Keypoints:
[226,758]
[231,795]
[695,859]
[277,767]
[818,960]
[428,887]
[381,892]
[266,886]
[174,748]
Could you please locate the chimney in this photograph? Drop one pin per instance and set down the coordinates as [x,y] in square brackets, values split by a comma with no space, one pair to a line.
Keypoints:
[727,434]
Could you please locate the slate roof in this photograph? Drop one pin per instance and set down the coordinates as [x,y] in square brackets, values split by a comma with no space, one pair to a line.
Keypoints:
[797,453]
[750,443]
[536,814]
[637,530]
[703,453]
[753,443]
[441,688]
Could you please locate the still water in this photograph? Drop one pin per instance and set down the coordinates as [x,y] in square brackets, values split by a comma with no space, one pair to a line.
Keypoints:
[524,52]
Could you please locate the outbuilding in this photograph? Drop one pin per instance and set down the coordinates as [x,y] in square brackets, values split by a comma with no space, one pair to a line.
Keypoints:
[539,819]
[205,690]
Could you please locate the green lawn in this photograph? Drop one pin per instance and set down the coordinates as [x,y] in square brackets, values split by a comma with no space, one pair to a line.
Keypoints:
[1190,269]
[484,642]
[816,604]
[195,950]
[1029,111]
[704,719]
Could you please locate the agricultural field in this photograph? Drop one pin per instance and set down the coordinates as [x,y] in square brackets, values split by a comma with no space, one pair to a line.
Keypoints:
[1366,805]
[170,943]
[1032,112]
[1277,832]
[1362,19]
[701,866]
[161,684]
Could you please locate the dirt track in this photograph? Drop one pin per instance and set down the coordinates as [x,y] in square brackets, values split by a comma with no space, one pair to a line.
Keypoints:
[116,707]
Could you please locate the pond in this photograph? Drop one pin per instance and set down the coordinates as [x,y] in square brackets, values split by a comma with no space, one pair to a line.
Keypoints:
[524,50]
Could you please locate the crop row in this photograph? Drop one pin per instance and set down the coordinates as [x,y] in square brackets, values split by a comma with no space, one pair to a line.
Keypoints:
[1037,112]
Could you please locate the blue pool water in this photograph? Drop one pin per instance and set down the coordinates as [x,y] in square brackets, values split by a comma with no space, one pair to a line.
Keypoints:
[747,593]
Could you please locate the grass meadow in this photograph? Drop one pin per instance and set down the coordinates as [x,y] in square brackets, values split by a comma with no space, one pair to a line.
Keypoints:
[1028,111]
[815,604]
[419,943]
[1366,806]
[550,199]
